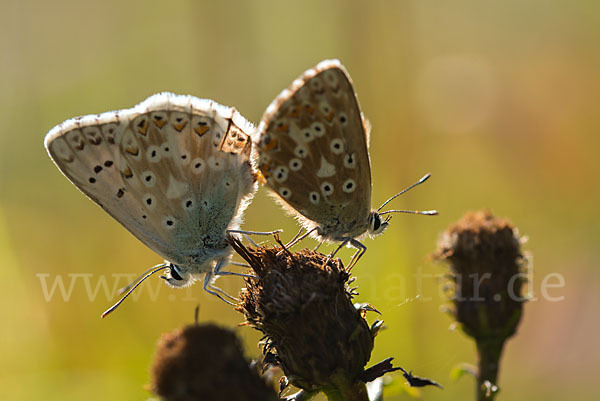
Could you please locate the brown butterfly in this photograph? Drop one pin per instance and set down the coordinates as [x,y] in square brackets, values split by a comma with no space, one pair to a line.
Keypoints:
[313,153]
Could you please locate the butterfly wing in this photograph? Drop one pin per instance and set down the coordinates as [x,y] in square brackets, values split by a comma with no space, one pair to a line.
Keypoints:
[174,170]
[313,151]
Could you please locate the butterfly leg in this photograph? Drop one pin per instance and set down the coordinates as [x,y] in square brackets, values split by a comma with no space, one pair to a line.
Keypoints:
[240,264]
[297,238]
[318,246]
[247,234]
[360,251]
[244,232]
[292,242]
[217,271]
[216,291]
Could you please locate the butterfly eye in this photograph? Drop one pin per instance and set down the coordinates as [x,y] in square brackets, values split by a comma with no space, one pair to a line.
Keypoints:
[376,223]
[174,273]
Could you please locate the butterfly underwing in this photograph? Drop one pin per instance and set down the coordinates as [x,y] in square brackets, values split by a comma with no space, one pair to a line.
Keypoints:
[176,171]
[313,154]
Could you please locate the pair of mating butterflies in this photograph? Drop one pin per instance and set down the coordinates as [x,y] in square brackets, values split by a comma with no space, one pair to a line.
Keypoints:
[178,171]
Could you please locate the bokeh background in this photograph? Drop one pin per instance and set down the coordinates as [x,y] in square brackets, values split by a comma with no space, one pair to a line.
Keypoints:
[498,100]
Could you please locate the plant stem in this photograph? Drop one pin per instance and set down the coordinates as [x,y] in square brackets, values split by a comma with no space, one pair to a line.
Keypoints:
[489,353]
[352,392]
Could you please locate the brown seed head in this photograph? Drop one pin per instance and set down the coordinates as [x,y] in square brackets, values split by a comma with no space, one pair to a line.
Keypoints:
[205,362]
[485,259]
[302,303]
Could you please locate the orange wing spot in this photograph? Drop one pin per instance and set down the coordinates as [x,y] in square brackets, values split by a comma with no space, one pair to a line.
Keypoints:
[143,128]
[265,168]
[127,173]
[329,116]
[201,130]
[268,146]
[283,128]
[159,122]
[180,126]
[133,151]
[294,113]
[309,108]
[260,178]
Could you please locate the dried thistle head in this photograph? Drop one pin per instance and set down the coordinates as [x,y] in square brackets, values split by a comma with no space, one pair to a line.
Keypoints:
[302,303]
[205,362]
[485,259]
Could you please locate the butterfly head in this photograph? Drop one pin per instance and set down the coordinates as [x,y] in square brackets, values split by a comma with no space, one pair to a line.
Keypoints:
[377,224]
[177,277]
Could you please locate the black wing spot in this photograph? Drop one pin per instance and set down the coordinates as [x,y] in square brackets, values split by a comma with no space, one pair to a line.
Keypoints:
[92,180]
[97,169]
[108,163]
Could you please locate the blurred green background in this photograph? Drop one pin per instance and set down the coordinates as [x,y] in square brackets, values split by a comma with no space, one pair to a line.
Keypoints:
[498,100]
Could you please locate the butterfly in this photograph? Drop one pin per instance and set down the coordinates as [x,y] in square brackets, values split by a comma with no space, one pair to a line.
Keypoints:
[176,171]
[313,154]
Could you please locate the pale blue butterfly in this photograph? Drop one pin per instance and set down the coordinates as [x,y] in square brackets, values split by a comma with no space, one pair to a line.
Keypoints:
[176,171]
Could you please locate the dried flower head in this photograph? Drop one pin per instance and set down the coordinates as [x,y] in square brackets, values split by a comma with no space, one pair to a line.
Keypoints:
[205,362]
[302,303]
[486,263]
[484,254]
